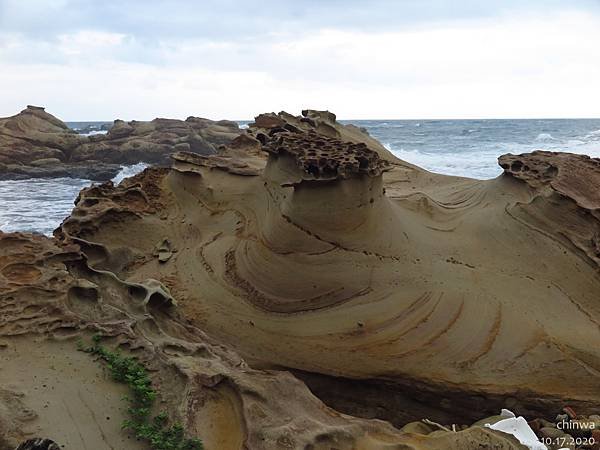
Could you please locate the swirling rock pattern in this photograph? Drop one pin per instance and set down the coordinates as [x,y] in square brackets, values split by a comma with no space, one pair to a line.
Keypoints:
[392,292]
[56,297]
[566,204]
[423,281]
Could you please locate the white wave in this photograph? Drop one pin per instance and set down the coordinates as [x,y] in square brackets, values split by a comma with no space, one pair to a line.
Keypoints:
[95,132]
[384,125]
[593,136]
[243,126]
[129,171]
[481,165]
[37,205]
[40,205]
[544,137]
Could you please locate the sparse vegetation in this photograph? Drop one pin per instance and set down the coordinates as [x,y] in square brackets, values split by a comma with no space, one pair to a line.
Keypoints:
[155,430]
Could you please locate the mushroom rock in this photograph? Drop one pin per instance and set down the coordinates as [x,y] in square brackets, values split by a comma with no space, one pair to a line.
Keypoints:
[322,123]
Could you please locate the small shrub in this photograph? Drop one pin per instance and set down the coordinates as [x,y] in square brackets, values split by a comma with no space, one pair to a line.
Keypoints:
[156,430]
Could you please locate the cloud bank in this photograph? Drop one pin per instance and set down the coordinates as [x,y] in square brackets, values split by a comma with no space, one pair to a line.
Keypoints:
[100,60]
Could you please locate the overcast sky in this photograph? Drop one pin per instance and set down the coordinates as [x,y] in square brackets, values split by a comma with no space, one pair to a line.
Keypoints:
[379,59]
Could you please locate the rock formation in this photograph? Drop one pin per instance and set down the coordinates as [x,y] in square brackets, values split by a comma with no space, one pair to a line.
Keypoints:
[49,296]
[566,203]
[154,141]
[35,144]
[305,289]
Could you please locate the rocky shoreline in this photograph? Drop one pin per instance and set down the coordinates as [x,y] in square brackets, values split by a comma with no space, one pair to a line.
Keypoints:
[35,144]
[296,286]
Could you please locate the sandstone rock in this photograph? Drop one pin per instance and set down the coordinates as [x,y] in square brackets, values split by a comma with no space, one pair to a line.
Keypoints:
[153,142]
[283,249]
[120,129]
[35,144]
[45,292]
[268,121]
[182,147]
[566,205]
[596,440]
[164,251]
[371,228]
[34,134]
[321,122]
[247,143]
[322,158]
[550,432]
[556,439]
[417,428]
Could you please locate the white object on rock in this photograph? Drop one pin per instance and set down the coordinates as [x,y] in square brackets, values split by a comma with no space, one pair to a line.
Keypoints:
[507,413]
[519,428]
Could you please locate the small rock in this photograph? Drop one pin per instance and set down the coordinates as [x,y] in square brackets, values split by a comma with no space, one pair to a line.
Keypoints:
[38,444]
[417,428]
[596,440]
[570,412]
[164,250]
[535,425]
[546,423]
[182,147]
[552,433]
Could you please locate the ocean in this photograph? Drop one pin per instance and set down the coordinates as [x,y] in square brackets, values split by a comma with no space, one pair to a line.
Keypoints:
[468,148]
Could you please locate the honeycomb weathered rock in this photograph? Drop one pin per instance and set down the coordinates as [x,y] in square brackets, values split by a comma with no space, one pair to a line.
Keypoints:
[327,158]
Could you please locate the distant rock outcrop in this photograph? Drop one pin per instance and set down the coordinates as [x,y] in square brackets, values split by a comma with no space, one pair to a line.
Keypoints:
[35,144]
[153,142]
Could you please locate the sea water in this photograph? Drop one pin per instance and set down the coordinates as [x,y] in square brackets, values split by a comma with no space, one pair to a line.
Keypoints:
[468,148]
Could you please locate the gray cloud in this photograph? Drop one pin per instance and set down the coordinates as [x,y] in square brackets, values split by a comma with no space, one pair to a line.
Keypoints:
[231,58]
[153,20]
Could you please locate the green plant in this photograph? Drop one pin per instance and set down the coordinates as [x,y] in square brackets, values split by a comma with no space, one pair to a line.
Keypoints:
[155,430]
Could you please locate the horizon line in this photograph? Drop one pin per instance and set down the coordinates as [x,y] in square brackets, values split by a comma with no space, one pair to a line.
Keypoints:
[349,120]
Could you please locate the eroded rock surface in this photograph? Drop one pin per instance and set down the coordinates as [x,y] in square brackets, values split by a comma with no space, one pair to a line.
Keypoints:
[413,280]
[50,296]
[323,158]
[154,141]
[393,293]
[35,144]
[566,204]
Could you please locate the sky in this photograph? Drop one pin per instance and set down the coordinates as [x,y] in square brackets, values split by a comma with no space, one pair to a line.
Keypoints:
[377,59]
